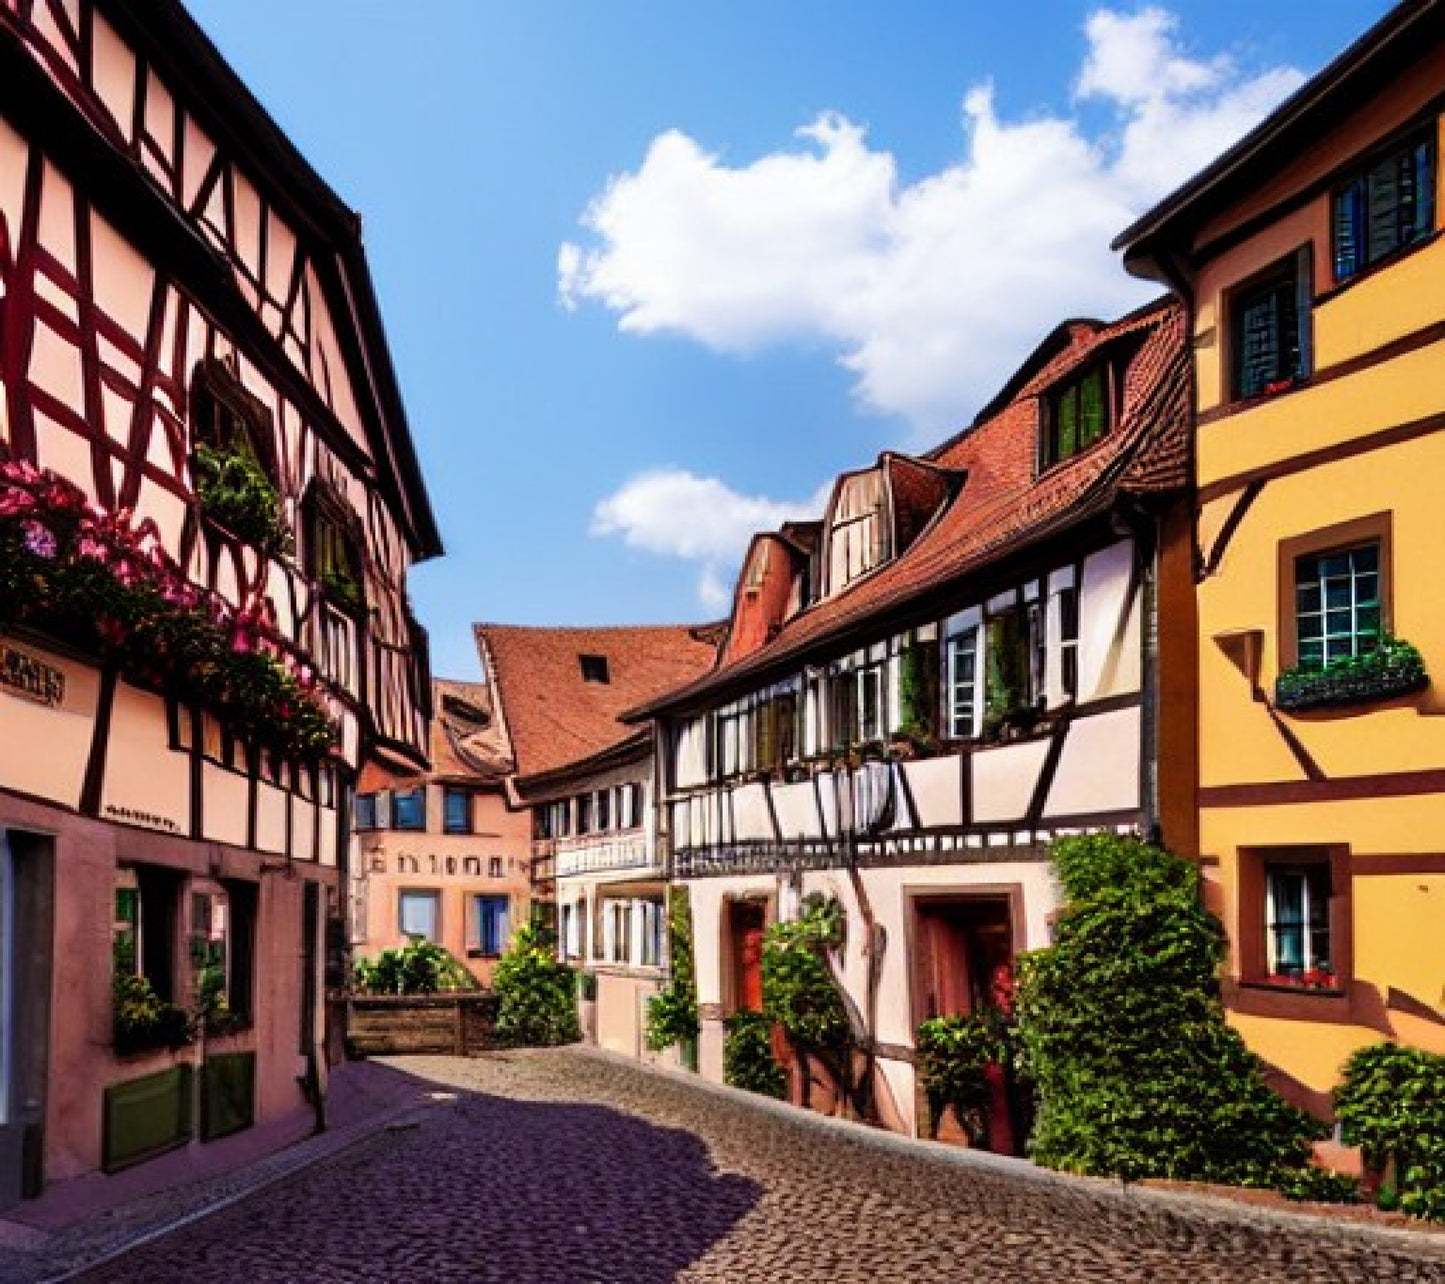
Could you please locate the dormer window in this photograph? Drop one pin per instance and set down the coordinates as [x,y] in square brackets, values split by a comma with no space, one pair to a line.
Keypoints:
[594,668]
[333,550]
[232,459]
[857,534]
[1076,414]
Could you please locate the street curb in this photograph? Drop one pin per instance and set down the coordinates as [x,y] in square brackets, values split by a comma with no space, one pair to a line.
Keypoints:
[1189,1206]
[315,1150]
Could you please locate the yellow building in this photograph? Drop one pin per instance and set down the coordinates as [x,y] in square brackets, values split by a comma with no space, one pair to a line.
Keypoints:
[1311,258]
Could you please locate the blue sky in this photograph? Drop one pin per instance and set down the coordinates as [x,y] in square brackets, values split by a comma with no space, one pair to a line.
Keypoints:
[637,313]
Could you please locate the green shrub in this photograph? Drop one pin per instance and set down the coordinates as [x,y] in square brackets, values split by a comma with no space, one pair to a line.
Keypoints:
[799,992]
[954,1053]
[672,1012]
[536,994]
[748,1060]
[1391,1103]
[418,967]
[1123,1034]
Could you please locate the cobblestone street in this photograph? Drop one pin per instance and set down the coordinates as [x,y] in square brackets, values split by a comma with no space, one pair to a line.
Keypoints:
[555,1167]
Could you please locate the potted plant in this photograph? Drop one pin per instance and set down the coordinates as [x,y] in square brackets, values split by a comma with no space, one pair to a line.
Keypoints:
[1391,667]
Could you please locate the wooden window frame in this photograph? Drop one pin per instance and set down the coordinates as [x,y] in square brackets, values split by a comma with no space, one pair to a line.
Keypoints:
[1256,992]
[1426,135]
[1295,267]
[1049,452]
[1376,528]
[436,896]
[214,379]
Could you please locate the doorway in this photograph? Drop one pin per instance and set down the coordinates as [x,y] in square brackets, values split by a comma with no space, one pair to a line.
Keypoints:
[26,892]
[747,921]
[963,965]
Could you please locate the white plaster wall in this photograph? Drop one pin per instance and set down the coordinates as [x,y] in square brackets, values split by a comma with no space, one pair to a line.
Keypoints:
[1004,780]
[752,821]
[142,772]
[1099,767]
[797,808]
[936,784]
[43,751]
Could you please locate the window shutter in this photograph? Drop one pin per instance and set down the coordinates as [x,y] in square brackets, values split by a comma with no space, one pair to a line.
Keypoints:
[1347,218]
[383,809]
[1384,204]
[1091,408]
[1300,313]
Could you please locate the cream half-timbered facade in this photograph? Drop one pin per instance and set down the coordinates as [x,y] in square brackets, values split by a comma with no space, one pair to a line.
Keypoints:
[957,665]
[595,823]
[181,293]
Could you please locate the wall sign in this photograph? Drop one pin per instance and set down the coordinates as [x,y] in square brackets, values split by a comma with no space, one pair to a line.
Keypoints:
[30,678]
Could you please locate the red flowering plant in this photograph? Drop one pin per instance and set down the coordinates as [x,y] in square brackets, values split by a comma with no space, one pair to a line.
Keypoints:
[1320,977]
[103,582]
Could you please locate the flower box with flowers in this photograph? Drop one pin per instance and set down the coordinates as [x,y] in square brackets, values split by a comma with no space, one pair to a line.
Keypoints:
[1392,668]
[1313,978]
[102,582]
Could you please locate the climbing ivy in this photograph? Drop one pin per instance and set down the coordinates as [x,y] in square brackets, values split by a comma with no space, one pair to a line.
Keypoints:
[799,991]
[1137,1072]
[954,1053]
[672,1013]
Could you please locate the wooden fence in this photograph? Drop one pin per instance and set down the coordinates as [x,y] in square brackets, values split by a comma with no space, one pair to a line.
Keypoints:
[394,1024]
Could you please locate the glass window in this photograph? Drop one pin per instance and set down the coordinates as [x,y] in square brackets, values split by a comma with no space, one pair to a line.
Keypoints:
[491,917]
[1298,921]
[419,914]
[584,813]
[1390,205]
[652,927]
[604,810]
[457,811]
[963,684]
[1077,415]
[1337,604]
[365,811]
[408,809]
[1069,641]
[1270,329]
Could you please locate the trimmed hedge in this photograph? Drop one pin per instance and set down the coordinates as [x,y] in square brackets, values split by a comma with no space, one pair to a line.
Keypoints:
[1391,1103]
[1137,1073]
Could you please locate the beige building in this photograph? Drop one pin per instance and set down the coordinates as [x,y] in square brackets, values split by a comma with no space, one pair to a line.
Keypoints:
[445,856]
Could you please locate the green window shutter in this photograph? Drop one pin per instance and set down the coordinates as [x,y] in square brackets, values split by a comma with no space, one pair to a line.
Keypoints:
[1091,408]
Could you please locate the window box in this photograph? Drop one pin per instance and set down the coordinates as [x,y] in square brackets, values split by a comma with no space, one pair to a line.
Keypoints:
[1393,668]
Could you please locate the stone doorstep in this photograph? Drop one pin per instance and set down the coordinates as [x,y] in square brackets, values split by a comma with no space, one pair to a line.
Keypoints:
[1198,1207]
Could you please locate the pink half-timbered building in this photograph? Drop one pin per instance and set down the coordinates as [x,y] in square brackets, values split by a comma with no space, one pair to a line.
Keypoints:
[209,502]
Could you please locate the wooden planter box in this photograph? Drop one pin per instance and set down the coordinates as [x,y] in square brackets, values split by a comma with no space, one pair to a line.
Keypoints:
[399,1024]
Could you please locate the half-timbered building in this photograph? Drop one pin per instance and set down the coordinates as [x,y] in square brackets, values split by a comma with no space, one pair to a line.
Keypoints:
[961,661]
[209,502]
[589,780]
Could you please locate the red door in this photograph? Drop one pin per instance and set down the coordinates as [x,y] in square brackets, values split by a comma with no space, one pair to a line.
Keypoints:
[748,923]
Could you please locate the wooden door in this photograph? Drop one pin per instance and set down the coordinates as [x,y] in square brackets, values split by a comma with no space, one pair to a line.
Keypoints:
[748,922]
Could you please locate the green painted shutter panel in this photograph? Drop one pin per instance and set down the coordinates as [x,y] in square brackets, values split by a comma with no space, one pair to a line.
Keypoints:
[228,1091]
[143,1117]
[1091,408]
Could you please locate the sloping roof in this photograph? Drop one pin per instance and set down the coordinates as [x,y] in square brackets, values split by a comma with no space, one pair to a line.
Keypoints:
[1408,32]
[468,743]
[1003,506]
[552,715]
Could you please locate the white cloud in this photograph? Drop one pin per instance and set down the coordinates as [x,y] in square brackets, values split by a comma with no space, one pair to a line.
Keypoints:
[929,293]
[676,513]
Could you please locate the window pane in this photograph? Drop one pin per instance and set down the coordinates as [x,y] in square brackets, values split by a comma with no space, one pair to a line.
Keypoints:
[458,804]
[419,912]
[408,810]
[491,929]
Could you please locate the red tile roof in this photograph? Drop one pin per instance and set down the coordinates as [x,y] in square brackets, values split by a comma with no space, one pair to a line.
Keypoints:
[553,716]
[1003,505]
[467,740]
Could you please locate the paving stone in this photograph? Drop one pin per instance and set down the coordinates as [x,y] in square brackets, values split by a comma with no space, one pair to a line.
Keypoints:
[562,1166]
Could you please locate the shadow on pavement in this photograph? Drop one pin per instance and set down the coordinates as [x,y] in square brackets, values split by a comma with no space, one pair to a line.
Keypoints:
[483,1188]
